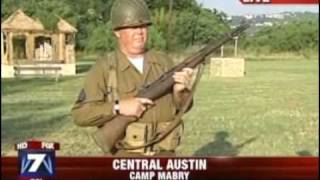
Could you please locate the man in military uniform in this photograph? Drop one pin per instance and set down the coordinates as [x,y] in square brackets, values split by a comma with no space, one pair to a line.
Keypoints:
[133,66]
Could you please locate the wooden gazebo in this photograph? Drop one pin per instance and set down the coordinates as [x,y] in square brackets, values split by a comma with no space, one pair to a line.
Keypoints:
[26,42]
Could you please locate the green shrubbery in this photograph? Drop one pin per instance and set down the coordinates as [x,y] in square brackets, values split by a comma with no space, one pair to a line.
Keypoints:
[295,36]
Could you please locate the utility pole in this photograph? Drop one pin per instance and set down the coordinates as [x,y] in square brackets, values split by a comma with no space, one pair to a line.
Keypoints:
[236,46]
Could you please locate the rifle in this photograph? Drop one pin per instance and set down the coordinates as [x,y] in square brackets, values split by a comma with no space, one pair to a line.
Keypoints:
[113,131]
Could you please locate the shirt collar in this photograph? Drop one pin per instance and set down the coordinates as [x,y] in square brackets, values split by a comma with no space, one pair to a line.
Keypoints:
[125,64]
[123,61]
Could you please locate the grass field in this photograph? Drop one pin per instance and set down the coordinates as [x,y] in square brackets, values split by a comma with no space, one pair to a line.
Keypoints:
[272,111]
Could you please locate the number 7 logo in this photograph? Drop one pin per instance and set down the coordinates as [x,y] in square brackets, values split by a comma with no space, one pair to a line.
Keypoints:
[35,160]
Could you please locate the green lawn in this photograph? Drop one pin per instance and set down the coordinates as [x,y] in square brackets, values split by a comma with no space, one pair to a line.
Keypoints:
[272,111]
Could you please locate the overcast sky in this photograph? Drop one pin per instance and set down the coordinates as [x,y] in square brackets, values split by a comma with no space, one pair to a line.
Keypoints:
[234,7]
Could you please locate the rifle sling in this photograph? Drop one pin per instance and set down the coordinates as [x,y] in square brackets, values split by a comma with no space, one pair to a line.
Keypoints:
[175,123]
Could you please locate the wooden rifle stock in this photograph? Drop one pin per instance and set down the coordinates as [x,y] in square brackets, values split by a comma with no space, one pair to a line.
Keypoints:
[113,131]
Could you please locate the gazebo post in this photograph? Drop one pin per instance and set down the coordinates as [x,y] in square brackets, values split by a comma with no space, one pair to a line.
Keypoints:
[61,46]
[30,46]
[10,49]
[3,59]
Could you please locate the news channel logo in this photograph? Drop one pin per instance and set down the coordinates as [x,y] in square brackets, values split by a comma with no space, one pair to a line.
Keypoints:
[36,159]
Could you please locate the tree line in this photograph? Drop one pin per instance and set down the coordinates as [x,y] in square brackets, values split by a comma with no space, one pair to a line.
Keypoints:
[292,36]
[177,24]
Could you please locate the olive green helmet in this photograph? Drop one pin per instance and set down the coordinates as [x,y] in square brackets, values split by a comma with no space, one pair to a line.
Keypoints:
[129,13]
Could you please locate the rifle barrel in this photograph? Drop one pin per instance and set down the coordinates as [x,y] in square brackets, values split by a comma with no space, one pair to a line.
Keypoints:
[164,84]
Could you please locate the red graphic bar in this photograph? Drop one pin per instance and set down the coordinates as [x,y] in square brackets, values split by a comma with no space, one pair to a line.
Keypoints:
[275,168]
[279,1]
[295,1]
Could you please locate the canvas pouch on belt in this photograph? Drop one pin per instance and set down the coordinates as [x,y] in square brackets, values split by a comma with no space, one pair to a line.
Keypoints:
[173,140]
[139,133]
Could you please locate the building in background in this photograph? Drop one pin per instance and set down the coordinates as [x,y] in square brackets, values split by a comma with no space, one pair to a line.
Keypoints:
[28,48]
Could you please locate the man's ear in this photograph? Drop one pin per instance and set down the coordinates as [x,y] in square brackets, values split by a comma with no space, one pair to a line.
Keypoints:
[117,34]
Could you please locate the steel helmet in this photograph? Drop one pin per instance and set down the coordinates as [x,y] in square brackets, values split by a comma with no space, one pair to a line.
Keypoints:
[129,13]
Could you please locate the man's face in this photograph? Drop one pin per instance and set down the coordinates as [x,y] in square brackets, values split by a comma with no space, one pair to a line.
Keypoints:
[132,40]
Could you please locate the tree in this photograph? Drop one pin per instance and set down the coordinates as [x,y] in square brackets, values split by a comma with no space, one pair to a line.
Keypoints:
[192,29]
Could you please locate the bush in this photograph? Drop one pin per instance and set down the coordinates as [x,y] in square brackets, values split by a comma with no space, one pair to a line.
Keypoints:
[101,39]
[294,36]
[156,39]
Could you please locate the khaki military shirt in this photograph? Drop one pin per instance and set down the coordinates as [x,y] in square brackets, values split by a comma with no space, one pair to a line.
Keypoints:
[93,108]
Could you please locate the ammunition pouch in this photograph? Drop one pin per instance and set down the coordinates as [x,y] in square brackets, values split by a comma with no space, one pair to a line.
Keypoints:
[172,140]
[138,134]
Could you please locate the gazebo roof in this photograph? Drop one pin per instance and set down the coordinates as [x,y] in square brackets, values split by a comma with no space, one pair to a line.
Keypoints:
[20,21]
[64,26]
